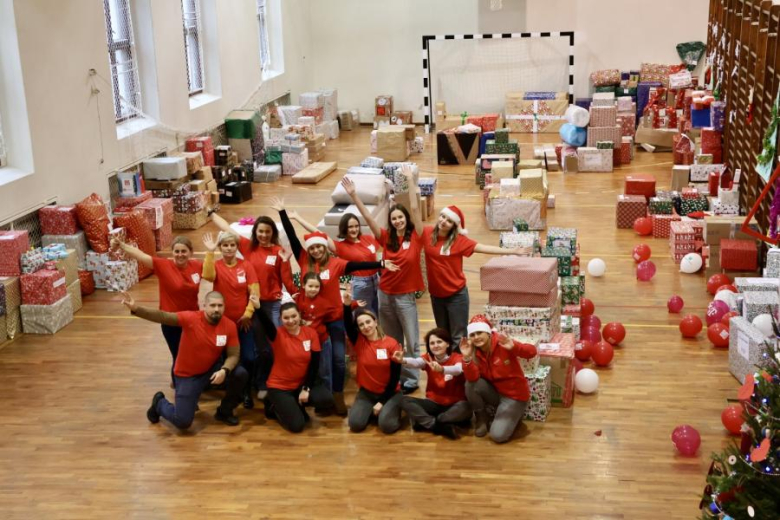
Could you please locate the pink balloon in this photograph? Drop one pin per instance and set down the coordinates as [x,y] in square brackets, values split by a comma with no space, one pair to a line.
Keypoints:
[645,271]
[592,334]
[675,304]
[716,310]
[686,439]
[590,321]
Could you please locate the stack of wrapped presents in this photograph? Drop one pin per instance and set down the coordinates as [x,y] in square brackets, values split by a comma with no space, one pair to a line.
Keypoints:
[508,197]
[372,189]
[245,137]
[536,112]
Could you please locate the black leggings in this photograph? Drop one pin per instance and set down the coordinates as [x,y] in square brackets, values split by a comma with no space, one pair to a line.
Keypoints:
[287,409]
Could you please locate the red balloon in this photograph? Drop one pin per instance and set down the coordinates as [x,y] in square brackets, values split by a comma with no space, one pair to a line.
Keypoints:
[583,350]
[614,333]
[586,308]
[716,309]
[718,334]
[645,271]
[602,353]
[732,420]
[675,304]
[729,287]
[726,319]
[590,321]
[690,326]
[686,439]
[715,281]
[591,334]
[641,253]
[643,226]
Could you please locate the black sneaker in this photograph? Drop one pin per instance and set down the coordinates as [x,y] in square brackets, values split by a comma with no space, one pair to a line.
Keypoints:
[151,413]
[228,418]
[445,430]
[249,403]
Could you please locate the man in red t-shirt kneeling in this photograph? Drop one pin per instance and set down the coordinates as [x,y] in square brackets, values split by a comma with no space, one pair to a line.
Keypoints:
[205,336]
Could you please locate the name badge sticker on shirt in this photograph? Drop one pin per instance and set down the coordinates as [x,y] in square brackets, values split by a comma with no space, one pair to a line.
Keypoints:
[221,340]
[381,353]
[444,251]
[406,245]
[270,260]
[195,278]
[241,275]
[448,377]
[325,275]
[307,345]
[372,248]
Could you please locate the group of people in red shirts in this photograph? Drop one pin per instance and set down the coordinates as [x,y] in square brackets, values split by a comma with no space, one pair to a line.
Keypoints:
[294,352]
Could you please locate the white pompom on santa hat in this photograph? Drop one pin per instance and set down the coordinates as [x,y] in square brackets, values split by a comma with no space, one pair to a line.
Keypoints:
[479,323]
[312,239]
[456,215]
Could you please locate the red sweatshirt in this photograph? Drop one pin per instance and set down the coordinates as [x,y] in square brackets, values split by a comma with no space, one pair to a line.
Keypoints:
[318,311]
[445,389]
[501,367]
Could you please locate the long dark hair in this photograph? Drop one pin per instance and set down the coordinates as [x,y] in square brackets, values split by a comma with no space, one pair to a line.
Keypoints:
[393,244]
[344,225]
[263,219]
[441,334]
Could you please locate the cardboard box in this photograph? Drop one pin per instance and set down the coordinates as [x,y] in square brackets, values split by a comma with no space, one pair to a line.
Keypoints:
[163,185]
[661,138]
[203,174]
[716,228]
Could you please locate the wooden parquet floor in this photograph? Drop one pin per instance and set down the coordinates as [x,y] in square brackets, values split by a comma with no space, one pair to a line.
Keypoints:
[75,442]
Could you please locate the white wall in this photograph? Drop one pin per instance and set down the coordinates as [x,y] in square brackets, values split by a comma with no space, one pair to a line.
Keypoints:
[63,114]
[380,42]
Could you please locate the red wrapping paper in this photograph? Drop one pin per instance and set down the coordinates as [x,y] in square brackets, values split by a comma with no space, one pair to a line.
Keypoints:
[87,282]
[662,225]
[138,231]
[93,218]
[44,287]
[509,299]
[625,153]
[12,245]
[738,255]
[163,237]
[640,185]
[157,212]
[617,157]
[539,275]
[131,202]
[713,183]
[629,208]
[711,142]
[317,113]
[563,360]
[690,193]
[627,123]
[58,220]
[489,122]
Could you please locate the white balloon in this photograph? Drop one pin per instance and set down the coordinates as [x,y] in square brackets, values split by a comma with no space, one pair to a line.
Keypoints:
[597,267]
[690,263]
[586,381]
[727,297]
[763,322]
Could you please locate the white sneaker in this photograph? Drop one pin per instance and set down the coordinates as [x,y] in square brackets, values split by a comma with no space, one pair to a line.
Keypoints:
[261,394]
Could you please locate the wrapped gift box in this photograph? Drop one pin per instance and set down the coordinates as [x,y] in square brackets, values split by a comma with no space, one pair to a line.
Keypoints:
[744,285]
[268,173]
[613,134]
[47,319]
[32,260]
[13,300]
[289,114]
[199,144]
[719,208]
[570,325]
[562,237]
[454,147]
[292,163]
[501,212]
[738,255]
[43,287]
[188,202]
[330,103]
[701,172]
[564,257]
[190,220]
[58,220]
[74,291]
[591,159]
[746,348]
[242,124]
[77,242]
[659,206]
[655,72]
[533,183]
[772,263]
[165,168]
[601,116]
[630,208]
[640,185]
[540,402]
[163,237]
[603,99]
[558,354]
[158,212]
[519,299]
[427,186]
[12,245]
[728,197]
[605,77]
[570,290]
[760,302]
[534,275]
[121,276]
[513,239]
[513,315]
[693,205]
[87,281]
[662,225]
[627,124]
[526,113]
[235,192]
[68,264]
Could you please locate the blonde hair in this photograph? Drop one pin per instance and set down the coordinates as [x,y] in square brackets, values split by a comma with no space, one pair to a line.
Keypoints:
[453,234]
[224,236]
[362,311]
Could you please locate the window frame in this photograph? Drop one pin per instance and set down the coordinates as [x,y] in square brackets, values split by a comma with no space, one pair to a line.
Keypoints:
[121,51]
[193,42]
[265,39]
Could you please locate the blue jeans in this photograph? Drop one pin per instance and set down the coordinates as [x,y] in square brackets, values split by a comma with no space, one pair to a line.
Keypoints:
[452,313]
[333,364]
[172,337]
[365,288]
[188,390]
[265,355]
[398,317]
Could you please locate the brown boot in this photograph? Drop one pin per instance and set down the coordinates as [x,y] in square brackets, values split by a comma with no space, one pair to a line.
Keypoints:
[339,406]
[480,423]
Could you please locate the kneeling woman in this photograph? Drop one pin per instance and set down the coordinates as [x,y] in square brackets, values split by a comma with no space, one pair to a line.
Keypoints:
[291,384]
[495,379]
[445,393]
[378,372]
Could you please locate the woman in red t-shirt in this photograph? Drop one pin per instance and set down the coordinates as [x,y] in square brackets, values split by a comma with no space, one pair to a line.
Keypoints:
[316,258]
[273,271]
[378,373]
[291,385]
[354,246]
[445,393]
[179,282]
[445,246]
[236,280]
[496,386]
[402,245]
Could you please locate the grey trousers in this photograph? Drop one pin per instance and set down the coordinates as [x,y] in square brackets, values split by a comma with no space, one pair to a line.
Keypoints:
[452,313]
[484,398]
[363,409]
[398,317]
[426,412]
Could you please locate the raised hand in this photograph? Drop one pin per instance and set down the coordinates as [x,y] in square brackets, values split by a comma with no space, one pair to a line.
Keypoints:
[128,301]
[276,203]
[348,186]
[346,295]
[398,356]
[209,241]
[505,342]
[286,254]
[466,348]
[391,266]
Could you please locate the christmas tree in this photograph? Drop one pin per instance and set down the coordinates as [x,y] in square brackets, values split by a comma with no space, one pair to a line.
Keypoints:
[744,480]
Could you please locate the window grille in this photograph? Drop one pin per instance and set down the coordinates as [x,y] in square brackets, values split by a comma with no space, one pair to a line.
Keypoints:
[265,47]
[121,54]
[192,45]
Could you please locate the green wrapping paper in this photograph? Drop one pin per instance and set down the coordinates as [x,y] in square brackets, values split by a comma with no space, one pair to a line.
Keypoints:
[540,386]
[511,147]
[692,205]
[570,290]
[562,237]
[659,206]
[242,124]
[582,285]
[605,88]
[273,157]
[519,225]
[605,145]
[564,257]
[502,136]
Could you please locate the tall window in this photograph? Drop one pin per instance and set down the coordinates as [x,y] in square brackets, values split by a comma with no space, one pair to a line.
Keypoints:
[121,54]
[192,46]
[265,47]
[3,158]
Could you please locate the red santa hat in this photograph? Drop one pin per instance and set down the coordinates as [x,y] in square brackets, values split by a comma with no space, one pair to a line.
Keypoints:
[456,215]
[479,323]
[312,239]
